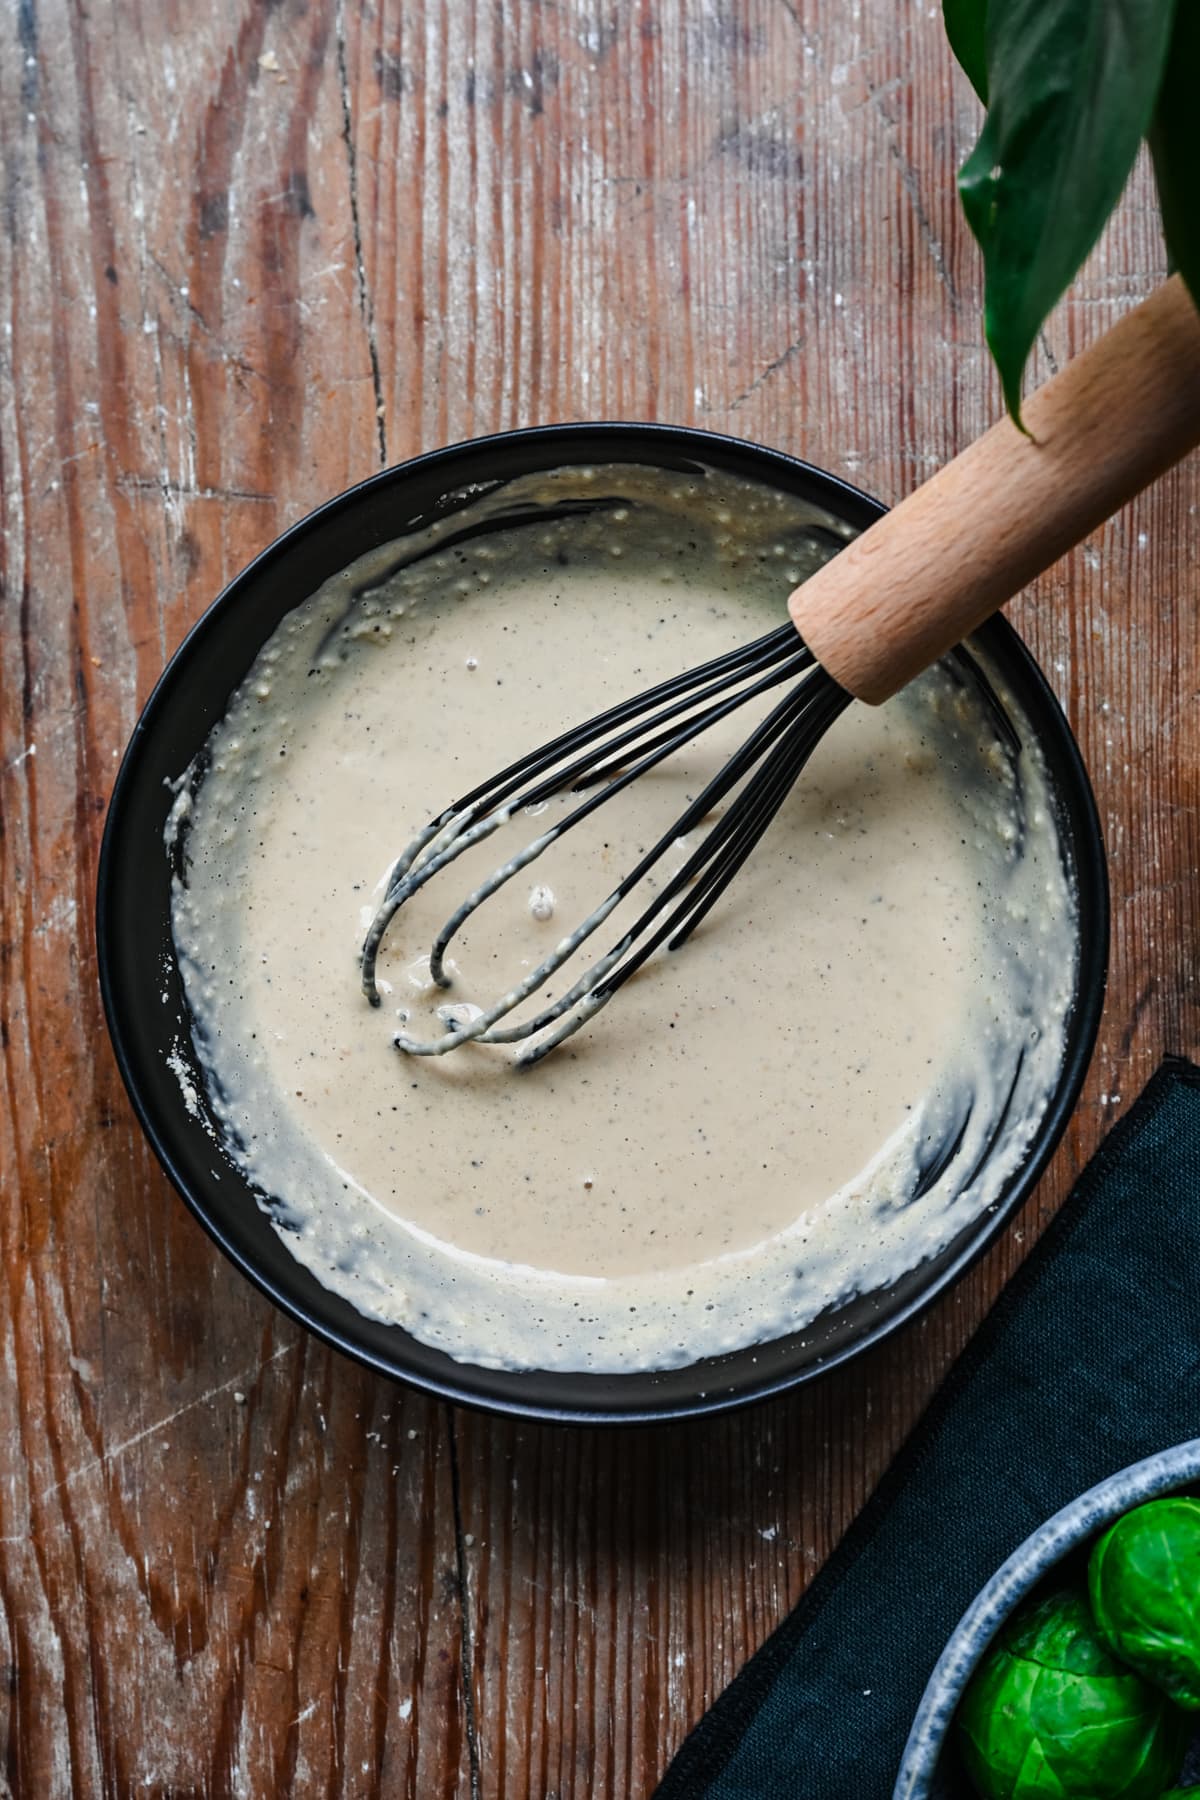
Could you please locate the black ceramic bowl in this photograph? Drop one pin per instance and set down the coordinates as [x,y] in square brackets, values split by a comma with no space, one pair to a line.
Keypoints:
[137,960]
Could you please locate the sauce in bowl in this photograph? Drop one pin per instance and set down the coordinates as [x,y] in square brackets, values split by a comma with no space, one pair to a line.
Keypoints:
[840,1070]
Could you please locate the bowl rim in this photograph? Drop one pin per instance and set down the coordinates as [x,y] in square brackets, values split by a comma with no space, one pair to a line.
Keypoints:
[463,1385]
[1151,1478]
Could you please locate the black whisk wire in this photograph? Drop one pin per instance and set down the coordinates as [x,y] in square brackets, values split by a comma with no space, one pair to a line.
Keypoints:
[608,752]
[579,776]
[724,850]
[490,805]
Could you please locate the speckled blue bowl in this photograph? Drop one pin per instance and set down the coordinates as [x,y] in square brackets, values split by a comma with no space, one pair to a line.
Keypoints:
[928,1767]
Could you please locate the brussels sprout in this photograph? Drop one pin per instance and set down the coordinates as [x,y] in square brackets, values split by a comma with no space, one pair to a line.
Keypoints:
[1144,1580]
[1050,1715]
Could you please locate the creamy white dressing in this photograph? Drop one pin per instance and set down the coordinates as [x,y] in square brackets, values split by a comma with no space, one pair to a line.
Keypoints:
[835,1075]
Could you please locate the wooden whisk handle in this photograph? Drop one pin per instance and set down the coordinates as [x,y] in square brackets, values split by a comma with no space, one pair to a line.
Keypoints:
[923,577]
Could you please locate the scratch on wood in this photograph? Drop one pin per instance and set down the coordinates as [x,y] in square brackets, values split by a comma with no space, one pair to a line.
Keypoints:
[364,294]
[464,1607]
[912,187]
[178,490]
[239,1381]
[776,363]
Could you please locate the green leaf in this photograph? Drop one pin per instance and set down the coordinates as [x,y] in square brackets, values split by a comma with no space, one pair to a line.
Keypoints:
[966,27]
[1175,143]
[1071,91]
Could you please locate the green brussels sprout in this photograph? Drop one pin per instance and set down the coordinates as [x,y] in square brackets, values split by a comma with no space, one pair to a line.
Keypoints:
[1144,1581]
[1050,1715]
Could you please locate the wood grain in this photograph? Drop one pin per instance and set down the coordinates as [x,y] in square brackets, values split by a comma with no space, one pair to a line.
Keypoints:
[248,251]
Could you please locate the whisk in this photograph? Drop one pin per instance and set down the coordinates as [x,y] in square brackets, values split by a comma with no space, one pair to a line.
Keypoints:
[888,606]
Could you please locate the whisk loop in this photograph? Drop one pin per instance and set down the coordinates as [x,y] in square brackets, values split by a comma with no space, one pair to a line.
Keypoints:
[606,754]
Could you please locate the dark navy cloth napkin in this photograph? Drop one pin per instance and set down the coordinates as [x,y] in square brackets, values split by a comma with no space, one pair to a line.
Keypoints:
[1089,1360]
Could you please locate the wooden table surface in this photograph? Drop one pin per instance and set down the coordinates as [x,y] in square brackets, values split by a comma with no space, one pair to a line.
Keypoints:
[251,250]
